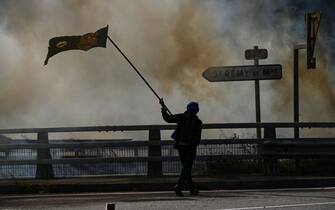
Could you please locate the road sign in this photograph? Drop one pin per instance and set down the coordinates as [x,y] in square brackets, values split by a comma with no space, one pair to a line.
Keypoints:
[255,54]
[313,23]
[242,73]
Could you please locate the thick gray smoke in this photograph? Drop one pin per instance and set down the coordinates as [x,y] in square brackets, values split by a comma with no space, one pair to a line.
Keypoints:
[172,42]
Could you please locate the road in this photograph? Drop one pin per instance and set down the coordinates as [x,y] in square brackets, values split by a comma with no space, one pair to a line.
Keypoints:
[286,199]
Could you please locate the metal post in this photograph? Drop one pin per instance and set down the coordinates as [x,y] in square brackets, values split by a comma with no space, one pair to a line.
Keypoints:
[257,99]
[296,89]
[110,206]
[155,167]
[44,171]
[296,99]
[270,163]
[296,92]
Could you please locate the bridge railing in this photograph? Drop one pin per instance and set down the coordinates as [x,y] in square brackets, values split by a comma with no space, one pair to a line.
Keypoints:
[155,157]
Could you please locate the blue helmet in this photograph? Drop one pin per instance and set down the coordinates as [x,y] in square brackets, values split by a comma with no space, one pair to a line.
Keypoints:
[193,107]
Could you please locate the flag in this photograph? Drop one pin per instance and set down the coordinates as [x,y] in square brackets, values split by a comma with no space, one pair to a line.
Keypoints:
[84,42]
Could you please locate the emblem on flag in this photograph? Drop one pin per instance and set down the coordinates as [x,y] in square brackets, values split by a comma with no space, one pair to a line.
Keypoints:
[83,42]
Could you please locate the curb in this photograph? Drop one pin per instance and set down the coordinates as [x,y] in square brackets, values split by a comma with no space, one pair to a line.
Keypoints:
[126,184]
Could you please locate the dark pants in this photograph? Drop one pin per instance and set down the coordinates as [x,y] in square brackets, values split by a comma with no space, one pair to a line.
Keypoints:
[186,155]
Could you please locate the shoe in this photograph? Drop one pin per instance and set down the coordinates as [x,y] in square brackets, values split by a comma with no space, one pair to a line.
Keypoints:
[178,191]
[194,191]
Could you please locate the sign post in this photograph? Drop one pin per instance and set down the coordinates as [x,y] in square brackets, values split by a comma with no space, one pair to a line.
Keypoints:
[257,54]
[255,72]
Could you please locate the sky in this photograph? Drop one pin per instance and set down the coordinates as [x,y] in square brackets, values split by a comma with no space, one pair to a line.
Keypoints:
[172,42]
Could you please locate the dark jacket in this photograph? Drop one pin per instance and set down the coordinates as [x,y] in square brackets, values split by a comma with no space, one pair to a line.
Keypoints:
[189,126]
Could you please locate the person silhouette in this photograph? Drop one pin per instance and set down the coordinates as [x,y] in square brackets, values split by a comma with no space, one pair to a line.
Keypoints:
[187,137]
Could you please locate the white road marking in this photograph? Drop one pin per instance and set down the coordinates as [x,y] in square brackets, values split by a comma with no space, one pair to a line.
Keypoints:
[276,190]
[280,206]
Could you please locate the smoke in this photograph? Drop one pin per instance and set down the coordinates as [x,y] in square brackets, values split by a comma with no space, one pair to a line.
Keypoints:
[172,42]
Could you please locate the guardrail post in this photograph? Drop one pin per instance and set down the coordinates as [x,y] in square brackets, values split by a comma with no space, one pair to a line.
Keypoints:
[43,171]
[270,163]
[297,169]
[155,167]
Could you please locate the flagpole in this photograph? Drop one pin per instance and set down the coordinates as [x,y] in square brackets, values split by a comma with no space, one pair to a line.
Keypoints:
[137,71]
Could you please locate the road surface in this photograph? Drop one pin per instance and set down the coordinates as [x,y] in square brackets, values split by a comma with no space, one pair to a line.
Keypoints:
[283,199]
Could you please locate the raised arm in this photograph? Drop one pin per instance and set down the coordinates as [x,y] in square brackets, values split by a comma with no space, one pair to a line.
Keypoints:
[170,118]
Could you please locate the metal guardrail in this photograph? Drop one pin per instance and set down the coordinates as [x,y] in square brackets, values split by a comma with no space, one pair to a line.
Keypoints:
[153,158]
[121,144]
[167,127]
[115,155]
[305,148]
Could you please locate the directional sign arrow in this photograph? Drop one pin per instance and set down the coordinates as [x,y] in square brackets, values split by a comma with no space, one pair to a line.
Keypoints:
[242,73]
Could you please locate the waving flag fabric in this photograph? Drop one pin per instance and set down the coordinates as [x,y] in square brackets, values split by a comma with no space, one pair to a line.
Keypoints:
[83,42]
